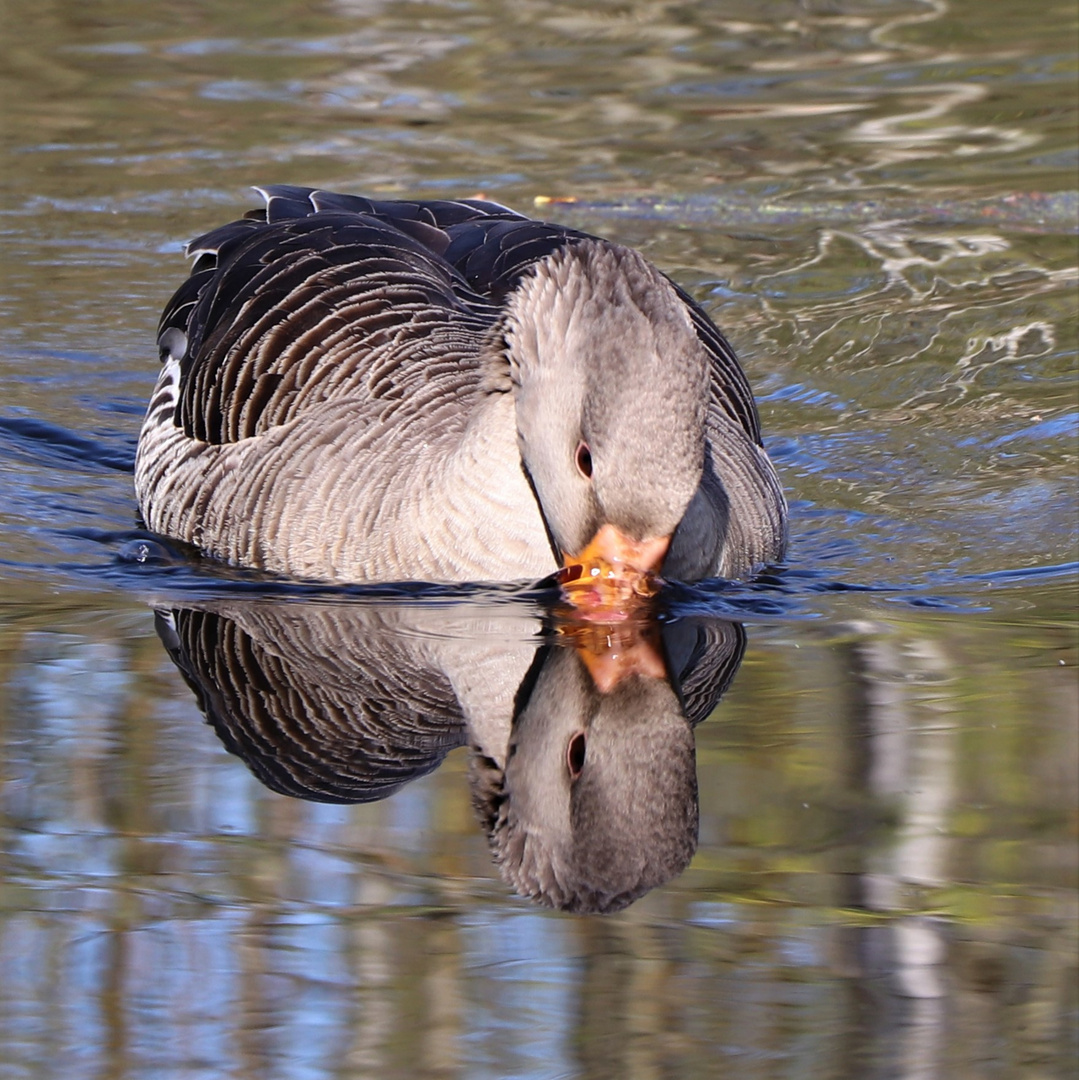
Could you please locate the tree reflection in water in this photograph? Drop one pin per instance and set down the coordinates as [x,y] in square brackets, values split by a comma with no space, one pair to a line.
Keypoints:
[582,765]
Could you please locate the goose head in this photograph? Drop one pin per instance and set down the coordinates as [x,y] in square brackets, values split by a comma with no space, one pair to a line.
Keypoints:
[610,384]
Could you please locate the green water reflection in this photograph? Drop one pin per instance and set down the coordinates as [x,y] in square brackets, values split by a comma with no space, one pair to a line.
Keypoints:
[877,201]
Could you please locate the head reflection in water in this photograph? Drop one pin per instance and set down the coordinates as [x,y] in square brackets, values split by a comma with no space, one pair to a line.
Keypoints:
[597,800]
[582,769]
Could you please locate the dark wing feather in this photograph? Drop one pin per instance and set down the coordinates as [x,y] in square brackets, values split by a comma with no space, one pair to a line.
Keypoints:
[730,387]
[492,256]
[280,304]
[285,202]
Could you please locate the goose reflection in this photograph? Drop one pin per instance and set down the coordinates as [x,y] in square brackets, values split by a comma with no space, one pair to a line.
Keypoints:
[582,768]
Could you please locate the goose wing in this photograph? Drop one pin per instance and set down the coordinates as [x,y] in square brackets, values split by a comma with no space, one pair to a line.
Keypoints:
[282,308]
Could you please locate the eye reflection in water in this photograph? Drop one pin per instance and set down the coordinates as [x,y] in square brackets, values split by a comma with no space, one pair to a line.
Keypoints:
[582,767]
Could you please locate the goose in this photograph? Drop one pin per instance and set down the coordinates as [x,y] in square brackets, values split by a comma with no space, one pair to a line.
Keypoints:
[359,391]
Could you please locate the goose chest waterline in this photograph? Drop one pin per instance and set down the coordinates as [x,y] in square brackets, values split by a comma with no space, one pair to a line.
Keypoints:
[360,391]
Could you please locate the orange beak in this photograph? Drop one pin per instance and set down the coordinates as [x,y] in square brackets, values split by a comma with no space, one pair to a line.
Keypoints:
[612,574]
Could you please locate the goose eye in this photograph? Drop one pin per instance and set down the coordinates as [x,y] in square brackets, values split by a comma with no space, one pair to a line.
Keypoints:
[583,458]
[575,755]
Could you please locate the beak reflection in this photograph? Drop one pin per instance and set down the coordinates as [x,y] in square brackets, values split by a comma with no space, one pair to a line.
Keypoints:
[613,652]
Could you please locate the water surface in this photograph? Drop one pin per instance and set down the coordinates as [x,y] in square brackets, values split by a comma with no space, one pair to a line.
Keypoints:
[877,202]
